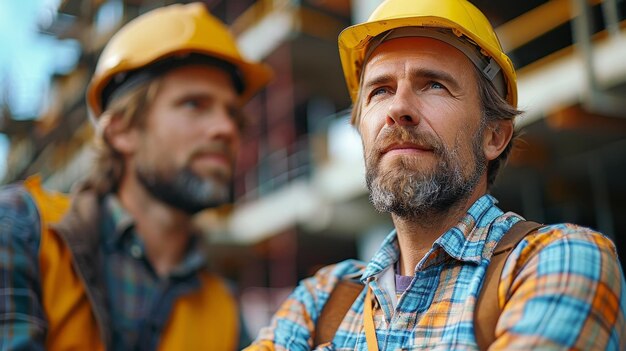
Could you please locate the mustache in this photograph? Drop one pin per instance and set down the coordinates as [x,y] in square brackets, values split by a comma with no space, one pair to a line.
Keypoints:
[218,147]
[411,135]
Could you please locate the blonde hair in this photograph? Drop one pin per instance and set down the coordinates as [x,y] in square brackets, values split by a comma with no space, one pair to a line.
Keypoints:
[128,111]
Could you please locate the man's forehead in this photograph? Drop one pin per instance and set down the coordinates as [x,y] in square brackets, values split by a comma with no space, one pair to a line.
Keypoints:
[218,73]
[198,76]
[406,48]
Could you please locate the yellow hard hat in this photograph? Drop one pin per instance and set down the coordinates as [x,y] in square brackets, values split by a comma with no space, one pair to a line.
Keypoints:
[168,32]
[465,24]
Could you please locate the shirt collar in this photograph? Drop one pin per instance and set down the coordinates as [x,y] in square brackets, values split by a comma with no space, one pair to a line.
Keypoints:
[121,226]
[464,241]
[195,259]
[386,256]
[119,221]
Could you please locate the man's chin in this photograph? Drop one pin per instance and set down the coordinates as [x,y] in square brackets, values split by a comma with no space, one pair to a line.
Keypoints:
[189,192]
[398,177]
[210,170]
[216,175]
[407,166]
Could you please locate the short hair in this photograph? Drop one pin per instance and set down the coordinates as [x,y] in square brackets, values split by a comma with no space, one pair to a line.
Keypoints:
[493,107]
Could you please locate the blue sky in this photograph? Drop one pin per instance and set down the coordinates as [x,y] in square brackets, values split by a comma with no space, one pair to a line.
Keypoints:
[28,58]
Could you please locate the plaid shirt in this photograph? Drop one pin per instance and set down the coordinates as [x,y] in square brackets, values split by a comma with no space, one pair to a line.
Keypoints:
[139,301]
[22,321]
[561,288]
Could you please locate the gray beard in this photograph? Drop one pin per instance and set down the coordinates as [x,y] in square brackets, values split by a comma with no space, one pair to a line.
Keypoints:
[184,190]
[411,194]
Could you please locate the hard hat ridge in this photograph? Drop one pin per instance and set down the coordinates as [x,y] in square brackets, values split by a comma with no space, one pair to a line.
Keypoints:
[486,65]
[124,82]
[465,28]
[172,31]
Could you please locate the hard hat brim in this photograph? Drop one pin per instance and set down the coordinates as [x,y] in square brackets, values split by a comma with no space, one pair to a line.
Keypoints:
[255,77]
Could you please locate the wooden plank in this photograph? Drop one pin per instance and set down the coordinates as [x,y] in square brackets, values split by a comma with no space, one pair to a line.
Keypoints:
[535,23]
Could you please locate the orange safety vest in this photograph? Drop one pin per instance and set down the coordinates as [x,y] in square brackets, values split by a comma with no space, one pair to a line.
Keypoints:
[206,319]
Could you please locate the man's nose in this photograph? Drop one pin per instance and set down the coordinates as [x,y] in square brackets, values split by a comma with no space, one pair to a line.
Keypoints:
[222,125]
[403,110]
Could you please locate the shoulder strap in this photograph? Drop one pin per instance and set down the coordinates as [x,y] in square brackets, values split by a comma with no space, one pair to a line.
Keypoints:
[335,309]
[488,308]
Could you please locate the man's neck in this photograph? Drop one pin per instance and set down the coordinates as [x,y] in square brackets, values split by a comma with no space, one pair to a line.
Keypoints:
[164,230]
[417,235]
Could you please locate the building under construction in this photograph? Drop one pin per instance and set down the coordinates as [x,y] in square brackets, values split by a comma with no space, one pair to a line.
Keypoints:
[301,200]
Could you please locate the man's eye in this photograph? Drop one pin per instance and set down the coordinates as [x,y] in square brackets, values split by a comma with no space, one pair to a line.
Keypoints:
[192,103]
[379,91]
[437,85]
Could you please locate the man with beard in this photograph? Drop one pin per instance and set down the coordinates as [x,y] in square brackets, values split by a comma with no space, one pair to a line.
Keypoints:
[119,265]
[434,102]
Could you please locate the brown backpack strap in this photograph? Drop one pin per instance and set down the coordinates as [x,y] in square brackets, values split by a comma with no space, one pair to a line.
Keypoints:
[488,308]
[335,309]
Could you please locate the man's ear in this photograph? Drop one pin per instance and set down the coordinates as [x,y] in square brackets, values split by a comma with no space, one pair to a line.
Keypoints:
[497,136]
[123,138]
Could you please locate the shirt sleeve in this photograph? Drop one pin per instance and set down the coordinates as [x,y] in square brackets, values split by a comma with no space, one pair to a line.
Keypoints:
[292,326]
[562,289]
[22,322]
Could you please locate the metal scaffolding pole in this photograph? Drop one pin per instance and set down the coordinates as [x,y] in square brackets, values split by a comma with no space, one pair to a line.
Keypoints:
[597,99]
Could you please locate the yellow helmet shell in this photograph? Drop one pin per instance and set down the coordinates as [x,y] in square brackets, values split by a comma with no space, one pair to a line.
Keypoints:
[168,31]
[460,16]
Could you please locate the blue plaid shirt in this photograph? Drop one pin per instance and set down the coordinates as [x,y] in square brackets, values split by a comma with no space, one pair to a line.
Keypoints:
[22,321]
[562,288]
